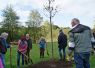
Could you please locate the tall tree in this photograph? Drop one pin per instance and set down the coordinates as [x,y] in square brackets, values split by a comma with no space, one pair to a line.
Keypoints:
[52,10]
[10,21]
[34,24]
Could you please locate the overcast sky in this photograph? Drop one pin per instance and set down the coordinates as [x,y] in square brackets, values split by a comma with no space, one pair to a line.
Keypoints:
[81,9]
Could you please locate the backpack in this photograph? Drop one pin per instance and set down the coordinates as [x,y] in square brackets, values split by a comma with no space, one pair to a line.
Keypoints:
[22,47]
[3,48]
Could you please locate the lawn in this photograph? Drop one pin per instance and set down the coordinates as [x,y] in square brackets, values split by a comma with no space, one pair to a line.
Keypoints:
[35,55]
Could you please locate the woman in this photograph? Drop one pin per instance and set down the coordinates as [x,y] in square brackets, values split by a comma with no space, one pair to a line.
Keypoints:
[42,44]
[22,48]
[3,47]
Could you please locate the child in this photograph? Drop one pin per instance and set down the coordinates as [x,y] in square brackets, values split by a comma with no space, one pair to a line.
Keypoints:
[42,44]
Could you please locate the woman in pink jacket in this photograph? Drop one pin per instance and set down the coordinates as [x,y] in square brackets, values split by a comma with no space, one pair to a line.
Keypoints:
[22,48]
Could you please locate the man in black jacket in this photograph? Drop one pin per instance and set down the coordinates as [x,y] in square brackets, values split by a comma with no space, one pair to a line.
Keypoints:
[62,43]
[29,42]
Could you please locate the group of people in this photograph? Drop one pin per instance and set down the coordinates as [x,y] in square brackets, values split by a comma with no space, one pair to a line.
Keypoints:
[24,47]
[81,42]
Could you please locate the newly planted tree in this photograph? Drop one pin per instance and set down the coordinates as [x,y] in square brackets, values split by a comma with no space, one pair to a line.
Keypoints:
[51,12]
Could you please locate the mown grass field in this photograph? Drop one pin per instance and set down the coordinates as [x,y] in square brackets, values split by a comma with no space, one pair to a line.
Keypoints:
[35,55]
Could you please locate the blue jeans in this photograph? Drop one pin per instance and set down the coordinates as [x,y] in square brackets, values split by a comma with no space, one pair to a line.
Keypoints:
[62,56]
[82,60]
[18,59]
[3,59]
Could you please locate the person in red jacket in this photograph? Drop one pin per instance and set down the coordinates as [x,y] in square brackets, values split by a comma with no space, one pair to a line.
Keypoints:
[22,49]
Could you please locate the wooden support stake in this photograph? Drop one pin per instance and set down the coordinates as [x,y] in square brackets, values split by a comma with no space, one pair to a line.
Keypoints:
[10,57]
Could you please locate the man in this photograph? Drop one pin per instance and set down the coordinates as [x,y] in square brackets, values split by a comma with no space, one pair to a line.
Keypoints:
[80,42]
[62,43]
[29,42]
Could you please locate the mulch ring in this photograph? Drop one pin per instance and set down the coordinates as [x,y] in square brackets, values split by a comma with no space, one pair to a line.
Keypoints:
[52,64]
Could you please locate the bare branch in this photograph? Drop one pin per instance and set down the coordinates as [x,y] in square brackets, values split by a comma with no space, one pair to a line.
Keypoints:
[46,15]
[49,7]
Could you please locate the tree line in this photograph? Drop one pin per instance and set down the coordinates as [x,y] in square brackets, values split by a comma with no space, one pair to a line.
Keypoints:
[33,26]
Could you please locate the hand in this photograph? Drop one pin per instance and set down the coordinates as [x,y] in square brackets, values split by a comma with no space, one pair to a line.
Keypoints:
[70,52]
[11,46]
[30,48]
[13,42]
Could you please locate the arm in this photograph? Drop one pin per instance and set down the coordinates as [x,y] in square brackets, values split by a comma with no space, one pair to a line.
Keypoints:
[93,41]
[71,43]
[59,39]
[5,43]
[39,42]
[14,43]
[30,43]
[18,42]
[45,46]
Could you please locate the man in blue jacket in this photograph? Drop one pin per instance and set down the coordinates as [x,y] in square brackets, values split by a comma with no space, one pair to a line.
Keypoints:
[62,43]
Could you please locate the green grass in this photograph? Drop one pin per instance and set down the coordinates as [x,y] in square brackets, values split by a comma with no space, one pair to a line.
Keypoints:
[35,55]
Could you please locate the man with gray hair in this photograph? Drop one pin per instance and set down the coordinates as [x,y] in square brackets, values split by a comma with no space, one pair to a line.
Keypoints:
[29,42]
[80,42]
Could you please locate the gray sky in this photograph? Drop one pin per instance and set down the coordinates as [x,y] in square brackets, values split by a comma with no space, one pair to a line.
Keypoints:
[82,9]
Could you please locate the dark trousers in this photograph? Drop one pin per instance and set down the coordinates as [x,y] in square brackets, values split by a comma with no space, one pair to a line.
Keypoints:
[42,52]
[62,53]
[18,59]
[28,55]
[82,60]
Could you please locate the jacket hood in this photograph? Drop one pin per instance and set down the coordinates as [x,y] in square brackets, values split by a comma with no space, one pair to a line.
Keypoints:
[79,28]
